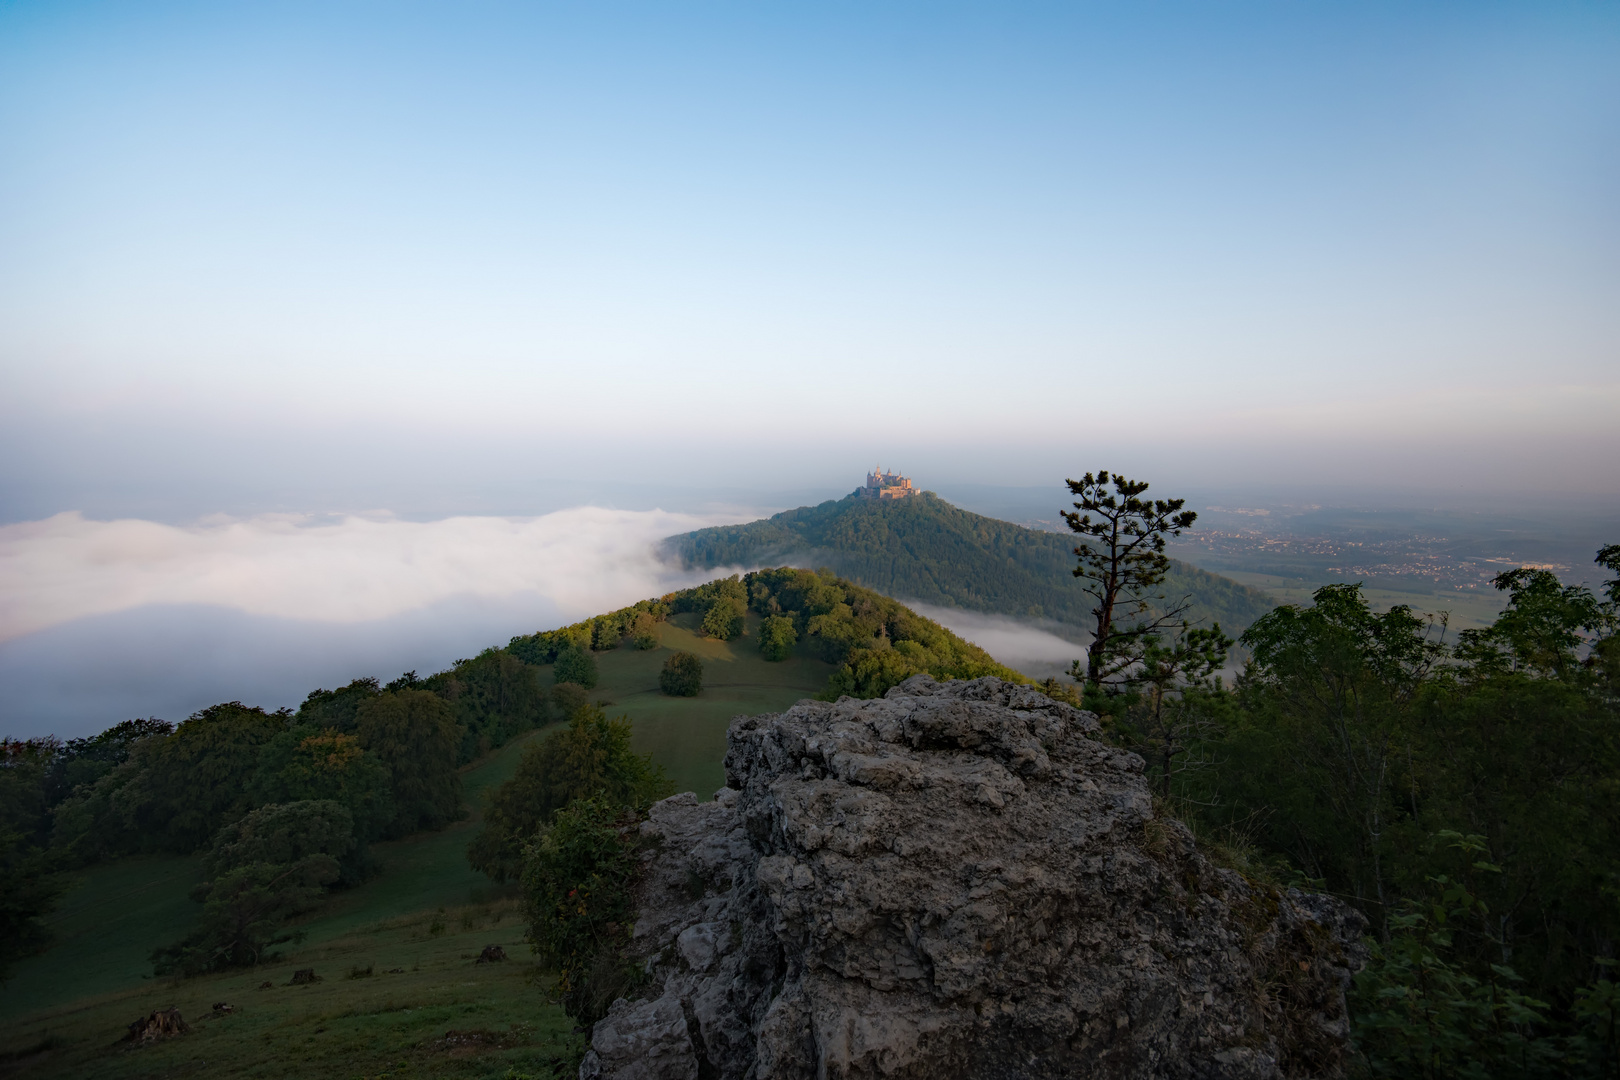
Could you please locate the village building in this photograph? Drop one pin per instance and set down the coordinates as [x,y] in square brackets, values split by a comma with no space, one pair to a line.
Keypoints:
[886,485]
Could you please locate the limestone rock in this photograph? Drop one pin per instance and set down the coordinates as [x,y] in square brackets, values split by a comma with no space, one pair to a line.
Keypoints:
[956,880]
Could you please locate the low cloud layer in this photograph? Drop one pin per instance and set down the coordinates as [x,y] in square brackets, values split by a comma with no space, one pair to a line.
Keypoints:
[350,570]
[102,621]
[1036,652]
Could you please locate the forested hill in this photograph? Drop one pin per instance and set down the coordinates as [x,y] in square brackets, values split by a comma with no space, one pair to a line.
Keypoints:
[925,549]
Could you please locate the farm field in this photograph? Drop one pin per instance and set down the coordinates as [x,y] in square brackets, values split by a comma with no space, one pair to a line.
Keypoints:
[417,927]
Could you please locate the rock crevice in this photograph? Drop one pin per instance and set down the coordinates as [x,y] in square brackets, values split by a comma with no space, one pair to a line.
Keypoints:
[959,880]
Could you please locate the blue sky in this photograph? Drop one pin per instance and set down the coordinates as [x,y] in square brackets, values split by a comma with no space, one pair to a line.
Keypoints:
[353,256]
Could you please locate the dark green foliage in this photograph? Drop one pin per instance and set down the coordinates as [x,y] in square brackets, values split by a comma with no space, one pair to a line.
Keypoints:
[336,709]
[78,762]
[579,886]
[283,834]
[591,757]
[602,632]
[1420,1010]
[681,676]
[720,606]
[304,763]
[271,865]
[29,888]
[568,698]
[495,695]
[575,666]
[777,637]
[1540,632]
[1123,569]
[926,549]
[197,779]
[415,735]
[1338,684]
[877,642]
[1464,798]
[1177,700]
[29,885]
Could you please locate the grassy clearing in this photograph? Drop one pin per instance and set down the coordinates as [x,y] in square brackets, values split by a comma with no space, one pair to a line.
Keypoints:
[401,997]
[427,913]
[688,735]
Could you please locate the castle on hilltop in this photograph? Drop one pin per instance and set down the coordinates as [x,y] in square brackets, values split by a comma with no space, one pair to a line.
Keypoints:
[886,485]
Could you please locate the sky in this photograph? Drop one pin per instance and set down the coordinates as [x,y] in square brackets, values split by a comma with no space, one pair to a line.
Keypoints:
[357,266]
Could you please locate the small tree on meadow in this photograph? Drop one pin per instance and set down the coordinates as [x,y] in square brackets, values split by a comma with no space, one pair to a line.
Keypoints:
[682,675]
[575,666]
[591,757]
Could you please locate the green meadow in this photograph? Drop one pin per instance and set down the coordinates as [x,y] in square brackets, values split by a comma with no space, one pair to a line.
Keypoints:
[417,928]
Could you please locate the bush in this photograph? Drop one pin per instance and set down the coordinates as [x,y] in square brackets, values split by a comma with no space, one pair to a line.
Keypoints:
[776,638]
[682,675]
[567,699]
[575,665]
[579,884]
[272,864]
[591,757]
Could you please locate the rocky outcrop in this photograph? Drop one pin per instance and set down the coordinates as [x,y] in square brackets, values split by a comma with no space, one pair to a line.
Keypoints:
[957,880]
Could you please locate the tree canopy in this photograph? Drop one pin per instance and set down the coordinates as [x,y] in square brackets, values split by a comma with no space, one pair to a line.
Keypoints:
[590,758]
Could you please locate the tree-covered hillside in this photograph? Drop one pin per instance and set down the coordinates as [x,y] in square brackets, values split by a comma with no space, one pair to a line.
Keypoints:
[925,549]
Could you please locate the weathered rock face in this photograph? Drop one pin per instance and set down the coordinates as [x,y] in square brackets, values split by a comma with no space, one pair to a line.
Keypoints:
[956,881]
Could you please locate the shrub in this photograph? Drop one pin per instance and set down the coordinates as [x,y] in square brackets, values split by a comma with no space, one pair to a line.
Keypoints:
[568,698]
[682,675]
[579,883]
[776,638]
[575,665]
[591,757]
[272,864]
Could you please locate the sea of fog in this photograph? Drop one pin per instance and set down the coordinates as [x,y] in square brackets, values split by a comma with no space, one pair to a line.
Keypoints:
[101,621]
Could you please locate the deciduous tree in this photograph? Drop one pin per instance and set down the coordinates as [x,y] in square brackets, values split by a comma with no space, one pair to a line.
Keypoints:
[414,733]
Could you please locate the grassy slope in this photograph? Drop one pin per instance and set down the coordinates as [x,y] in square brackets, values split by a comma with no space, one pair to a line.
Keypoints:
[90,983]
[688,735]
[926,549]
